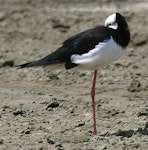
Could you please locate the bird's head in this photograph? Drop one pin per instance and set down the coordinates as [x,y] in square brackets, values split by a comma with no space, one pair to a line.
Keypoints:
[116,21]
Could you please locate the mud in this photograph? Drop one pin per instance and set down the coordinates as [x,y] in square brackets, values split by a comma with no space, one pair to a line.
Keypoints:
[51,110]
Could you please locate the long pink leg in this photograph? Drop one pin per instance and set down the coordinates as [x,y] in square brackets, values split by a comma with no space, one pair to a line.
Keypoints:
[93,101]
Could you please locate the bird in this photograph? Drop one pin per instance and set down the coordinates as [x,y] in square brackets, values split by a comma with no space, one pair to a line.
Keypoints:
[91,49]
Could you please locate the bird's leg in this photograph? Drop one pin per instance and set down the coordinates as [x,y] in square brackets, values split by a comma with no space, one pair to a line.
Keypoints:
[93,101]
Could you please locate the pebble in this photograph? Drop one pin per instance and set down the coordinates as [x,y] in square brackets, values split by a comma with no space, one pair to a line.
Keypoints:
[53,105]
[143,113]
[1,141]
[27,131]
[80,123]
[71,110]
[124,133]
[50,141]
[58,145]
[8,63]
[135,86]
[18,112]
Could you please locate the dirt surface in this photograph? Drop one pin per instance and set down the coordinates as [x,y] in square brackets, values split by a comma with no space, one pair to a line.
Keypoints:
[51,110]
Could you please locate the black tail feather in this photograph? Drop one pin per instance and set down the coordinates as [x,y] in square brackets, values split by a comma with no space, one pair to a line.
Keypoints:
[38,63]
[26,65]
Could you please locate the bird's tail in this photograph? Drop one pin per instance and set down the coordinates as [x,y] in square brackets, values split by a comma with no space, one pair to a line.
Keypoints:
[48,60]
[37,64]
[33,64]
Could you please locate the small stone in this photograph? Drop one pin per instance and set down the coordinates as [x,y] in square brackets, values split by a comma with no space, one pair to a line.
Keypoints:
[27,132]
[146,126]
[143,113]
[8,63]
[135,86]
[71,110]
[53,105]
[54,77]
[143,131]
[124,133]
[40,93]
[80,123]
[58,145]
[1,141]
[40,141]
[113,112]
[18,112]
[136,145]
[104,133]
[50,141]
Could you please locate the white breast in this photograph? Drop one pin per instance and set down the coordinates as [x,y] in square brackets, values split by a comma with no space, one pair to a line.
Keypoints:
[103,54]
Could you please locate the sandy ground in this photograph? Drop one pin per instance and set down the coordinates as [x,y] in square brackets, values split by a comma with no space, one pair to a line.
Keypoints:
[51,110]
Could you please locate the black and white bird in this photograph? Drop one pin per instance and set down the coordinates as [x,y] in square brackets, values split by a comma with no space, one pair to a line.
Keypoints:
[91,50]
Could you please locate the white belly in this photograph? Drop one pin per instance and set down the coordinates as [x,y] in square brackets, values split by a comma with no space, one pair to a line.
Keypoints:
[103,54]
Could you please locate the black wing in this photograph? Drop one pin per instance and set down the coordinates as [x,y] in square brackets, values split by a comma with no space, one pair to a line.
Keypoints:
[78,44]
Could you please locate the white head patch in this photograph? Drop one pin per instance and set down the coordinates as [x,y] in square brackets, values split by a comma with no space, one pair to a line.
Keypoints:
[111,22]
